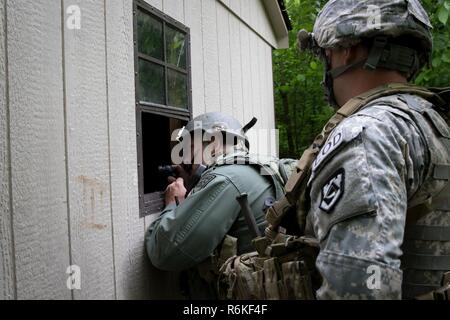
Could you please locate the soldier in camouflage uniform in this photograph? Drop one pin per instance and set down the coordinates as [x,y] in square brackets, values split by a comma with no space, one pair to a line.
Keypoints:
[189,236]
[378,192]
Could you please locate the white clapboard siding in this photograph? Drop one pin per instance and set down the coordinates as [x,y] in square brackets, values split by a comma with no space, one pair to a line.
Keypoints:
[270,100]
[235,6]
[246,72]
[88,152]
[158,4]
[223,46]
[210,56]
[7,290]
[130,259]
[253,14]
[256,91]
[236,69]
[192,8]
[174,9]
[39,203]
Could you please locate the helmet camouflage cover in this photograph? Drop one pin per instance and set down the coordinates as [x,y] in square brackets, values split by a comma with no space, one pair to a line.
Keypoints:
[213,122]
[345,23]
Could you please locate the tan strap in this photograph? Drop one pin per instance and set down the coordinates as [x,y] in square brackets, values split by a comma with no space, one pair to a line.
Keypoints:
[442,293]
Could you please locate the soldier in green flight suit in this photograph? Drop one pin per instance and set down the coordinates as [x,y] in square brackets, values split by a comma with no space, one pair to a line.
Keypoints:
[190,231]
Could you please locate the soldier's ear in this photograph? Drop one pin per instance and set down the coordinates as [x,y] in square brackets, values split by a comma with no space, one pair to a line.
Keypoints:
[349,55]
[354,54]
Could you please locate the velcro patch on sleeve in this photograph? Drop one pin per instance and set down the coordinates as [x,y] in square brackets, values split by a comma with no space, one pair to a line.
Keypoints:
[205,180]
[340,137]
[332,191]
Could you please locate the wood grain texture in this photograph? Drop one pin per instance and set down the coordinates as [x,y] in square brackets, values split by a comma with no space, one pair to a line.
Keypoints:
[7,288]
[37,149]
[256,100]
[223,44]
[88,152]
[192,16]
[274,151]
[158,4]
[236,68]
[246,74]
[130,259]
[210,56]
[245,11]
[174,9]
[263,24]
[235,5]
[265,104]
[253,13]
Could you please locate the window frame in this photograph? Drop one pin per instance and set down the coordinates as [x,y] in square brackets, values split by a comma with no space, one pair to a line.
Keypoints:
[152,203]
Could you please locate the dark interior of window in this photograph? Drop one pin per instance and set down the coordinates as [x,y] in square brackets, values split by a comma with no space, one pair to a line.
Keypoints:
[156,147]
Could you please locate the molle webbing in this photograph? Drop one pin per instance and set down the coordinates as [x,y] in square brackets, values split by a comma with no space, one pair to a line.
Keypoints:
[296,185]
[427,233]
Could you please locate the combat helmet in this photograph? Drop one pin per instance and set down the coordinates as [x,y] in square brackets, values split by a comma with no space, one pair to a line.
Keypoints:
[213,122]
[397,33]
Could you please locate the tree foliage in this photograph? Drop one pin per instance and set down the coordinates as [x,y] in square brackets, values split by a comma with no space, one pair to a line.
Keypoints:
[301,111]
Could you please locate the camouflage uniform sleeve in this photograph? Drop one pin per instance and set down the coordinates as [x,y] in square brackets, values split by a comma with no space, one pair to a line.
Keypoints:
[184,236]
[359,190]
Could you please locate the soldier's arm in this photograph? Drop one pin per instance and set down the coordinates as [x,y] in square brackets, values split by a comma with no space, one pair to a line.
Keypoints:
[185,235]
[359,194]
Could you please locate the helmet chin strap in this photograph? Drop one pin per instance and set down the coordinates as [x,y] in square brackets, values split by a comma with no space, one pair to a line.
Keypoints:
[382,54]
[337,72]
[332,74]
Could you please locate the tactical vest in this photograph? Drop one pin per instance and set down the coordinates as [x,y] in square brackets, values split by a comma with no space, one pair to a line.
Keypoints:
[426,245]
[283,266]
[278,171]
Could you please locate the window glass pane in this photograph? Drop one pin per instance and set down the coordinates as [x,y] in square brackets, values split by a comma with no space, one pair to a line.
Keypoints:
[151,82]
[150,35]
[177,89]
[175,47]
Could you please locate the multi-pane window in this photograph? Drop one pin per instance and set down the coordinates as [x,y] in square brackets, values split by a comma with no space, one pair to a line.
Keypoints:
[163,96]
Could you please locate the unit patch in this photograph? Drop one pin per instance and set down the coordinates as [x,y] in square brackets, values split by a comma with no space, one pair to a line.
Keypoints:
[204,181]
[332,191]
[332,145]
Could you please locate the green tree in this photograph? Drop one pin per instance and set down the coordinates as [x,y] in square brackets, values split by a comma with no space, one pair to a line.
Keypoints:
[300,109]
[437,74]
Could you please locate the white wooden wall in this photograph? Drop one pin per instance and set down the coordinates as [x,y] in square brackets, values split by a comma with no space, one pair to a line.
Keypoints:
[68,178]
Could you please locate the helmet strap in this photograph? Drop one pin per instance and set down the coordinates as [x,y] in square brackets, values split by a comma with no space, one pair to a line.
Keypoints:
[332,74]
[382,55]
[378,46]
[393,57]
[336,72]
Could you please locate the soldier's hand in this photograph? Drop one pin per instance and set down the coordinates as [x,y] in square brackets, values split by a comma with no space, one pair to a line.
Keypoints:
[185,173]
[175,192]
